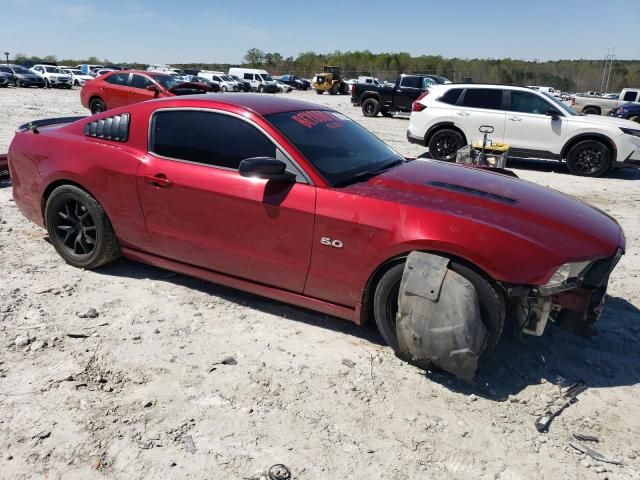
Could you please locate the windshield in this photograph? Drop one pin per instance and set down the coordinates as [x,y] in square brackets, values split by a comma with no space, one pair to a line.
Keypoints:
[566,108]
[167,81]
[266,78]
[76,72]
[227,78]
[21,70]
[52,70]
[339,148]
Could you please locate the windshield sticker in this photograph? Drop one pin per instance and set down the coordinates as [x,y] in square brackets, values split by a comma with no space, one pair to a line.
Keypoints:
[341,116]
[313,118]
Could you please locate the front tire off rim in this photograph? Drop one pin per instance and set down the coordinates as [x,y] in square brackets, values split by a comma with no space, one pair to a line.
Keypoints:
[75,228]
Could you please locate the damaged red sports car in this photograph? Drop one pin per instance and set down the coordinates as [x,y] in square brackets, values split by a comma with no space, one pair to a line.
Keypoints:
[297,202]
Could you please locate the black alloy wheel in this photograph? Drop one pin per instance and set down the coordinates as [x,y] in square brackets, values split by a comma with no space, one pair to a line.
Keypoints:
[444,144]
[370,107]
[75,228]
[79,228]
[589,158]
[97,106]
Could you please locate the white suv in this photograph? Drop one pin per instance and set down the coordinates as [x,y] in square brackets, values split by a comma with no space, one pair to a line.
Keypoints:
[54,76]
[534,124]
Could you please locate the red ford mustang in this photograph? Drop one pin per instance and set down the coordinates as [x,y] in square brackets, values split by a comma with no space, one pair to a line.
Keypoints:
[119,88]
[293,201]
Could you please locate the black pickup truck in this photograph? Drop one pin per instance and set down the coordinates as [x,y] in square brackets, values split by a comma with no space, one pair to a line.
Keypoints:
[391,99]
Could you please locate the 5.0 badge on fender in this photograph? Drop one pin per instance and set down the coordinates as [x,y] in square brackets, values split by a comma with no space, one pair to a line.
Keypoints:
[331,243]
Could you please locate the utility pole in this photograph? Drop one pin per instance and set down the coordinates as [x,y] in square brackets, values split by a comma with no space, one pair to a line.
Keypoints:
[606,74]
[6,54]
[613,56]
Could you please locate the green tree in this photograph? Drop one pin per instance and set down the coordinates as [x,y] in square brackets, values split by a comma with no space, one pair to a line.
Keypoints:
[254,57]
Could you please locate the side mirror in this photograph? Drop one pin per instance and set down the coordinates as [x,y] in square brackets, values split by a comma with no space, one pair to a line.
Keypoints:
[265,168]
[154,89]
[553,113]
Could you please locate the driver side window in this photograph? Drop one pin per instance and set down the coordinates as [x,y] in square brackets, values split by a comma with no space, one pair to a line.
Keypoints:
[525,102]
[118,79]
[141,82]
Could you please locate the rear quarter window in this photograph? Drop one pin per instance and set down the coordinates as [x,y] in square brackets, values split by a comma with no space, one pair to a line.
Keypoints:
[451,96]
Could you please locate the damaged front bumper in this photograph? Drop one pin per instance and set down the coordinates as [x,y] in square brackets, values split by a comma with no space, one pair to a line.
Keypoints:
[439,321]
[575,305]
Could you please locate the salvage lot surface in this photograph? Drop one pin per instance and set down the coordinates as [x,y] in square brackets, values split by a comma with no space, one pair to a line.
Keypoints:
[179,378]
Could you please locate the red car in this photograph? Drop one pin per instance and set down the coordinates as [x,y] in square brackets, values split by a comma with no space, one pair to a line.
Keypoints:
[124,87]
[297,202]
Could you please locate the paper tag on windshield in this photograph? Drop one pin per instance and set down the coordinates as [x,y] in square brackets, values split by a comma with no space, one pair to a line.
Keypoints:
[342,117]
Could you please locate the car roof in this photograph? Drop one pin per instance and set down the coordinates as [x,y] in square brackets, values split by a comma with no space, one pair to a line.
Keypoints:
[142,72]
[484,85]
[260,103]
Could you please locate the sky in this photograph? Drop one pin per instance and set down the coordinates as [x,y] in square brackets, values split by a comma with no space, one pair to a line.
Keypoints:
[162,31]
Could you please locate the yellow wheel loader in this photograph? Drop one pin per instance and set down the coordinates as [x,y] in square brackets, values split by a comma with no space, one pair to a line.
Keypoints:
[330,80]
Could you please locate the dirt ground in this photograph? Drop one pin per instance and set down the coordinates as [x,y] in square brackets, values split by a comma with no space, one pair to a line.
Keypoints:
[172,377]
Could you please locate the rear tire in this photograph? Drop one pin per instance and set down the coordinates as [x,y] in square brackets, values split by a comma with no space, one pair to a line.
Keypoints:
[261,89]
[79,228]
[319,92]
[385,305]
[589,158]
[444,144]
[386,113]
[97,106]
[635,118]
[591,111]
[370,107]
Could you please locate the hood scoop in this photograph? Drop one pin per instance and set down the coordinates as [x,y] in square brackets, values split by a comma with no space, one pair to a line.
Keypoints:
[472,191]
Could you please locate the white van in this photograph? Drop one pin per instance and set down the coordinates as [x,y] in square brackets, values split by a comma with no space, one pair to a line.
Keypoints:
[260,80]
[227,84]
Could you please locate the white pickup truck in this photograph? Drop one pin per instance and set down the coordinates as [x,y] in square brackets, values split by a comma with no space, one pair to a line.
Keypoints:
[602,106]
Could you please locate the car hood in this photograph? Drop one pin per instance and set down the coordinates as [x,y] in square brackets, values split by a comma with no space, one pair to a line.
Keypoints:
[561,225]
[606,120]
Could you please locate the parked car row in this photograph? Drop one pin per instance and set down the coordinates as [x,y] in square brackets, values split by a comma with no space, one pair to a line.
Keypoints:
[20,76]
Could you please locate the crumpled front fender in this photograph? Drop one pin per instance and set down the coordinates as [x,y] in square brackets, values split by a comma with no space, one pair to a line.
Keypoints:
[439,318]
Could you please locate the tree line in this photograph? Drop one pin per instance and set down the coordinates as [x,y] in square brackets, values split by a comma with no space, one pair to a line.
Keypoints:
[567,75]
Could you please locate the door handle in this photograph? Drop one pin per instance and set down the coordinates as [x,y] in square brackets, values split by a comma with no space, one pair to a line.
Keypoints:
[463,114]
[160,180]
[399,91]
[515,119]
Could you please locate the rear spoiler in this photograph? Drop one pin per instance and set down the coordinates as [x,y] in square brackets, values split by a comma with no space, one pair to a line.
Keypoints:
[34,125]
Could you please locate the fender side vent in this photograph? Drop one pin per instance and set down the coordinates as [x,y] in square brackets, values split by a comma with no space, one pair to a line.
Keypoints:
[472,191]
[110,128]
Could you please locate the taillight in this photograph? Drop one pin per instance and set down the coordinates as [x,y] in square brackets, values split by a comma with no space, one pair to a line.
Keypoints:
[416,106]
[353,88]
[573,102]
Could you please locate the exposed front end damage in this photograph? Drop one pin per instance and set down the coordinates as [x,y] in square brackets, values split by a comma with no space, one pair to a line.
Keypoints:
[575,303]
[439,321]
[439,316]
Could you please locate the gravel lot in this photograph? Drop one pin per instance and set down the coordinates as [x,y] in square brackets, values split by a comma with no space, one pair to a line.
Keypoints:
[178,378]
